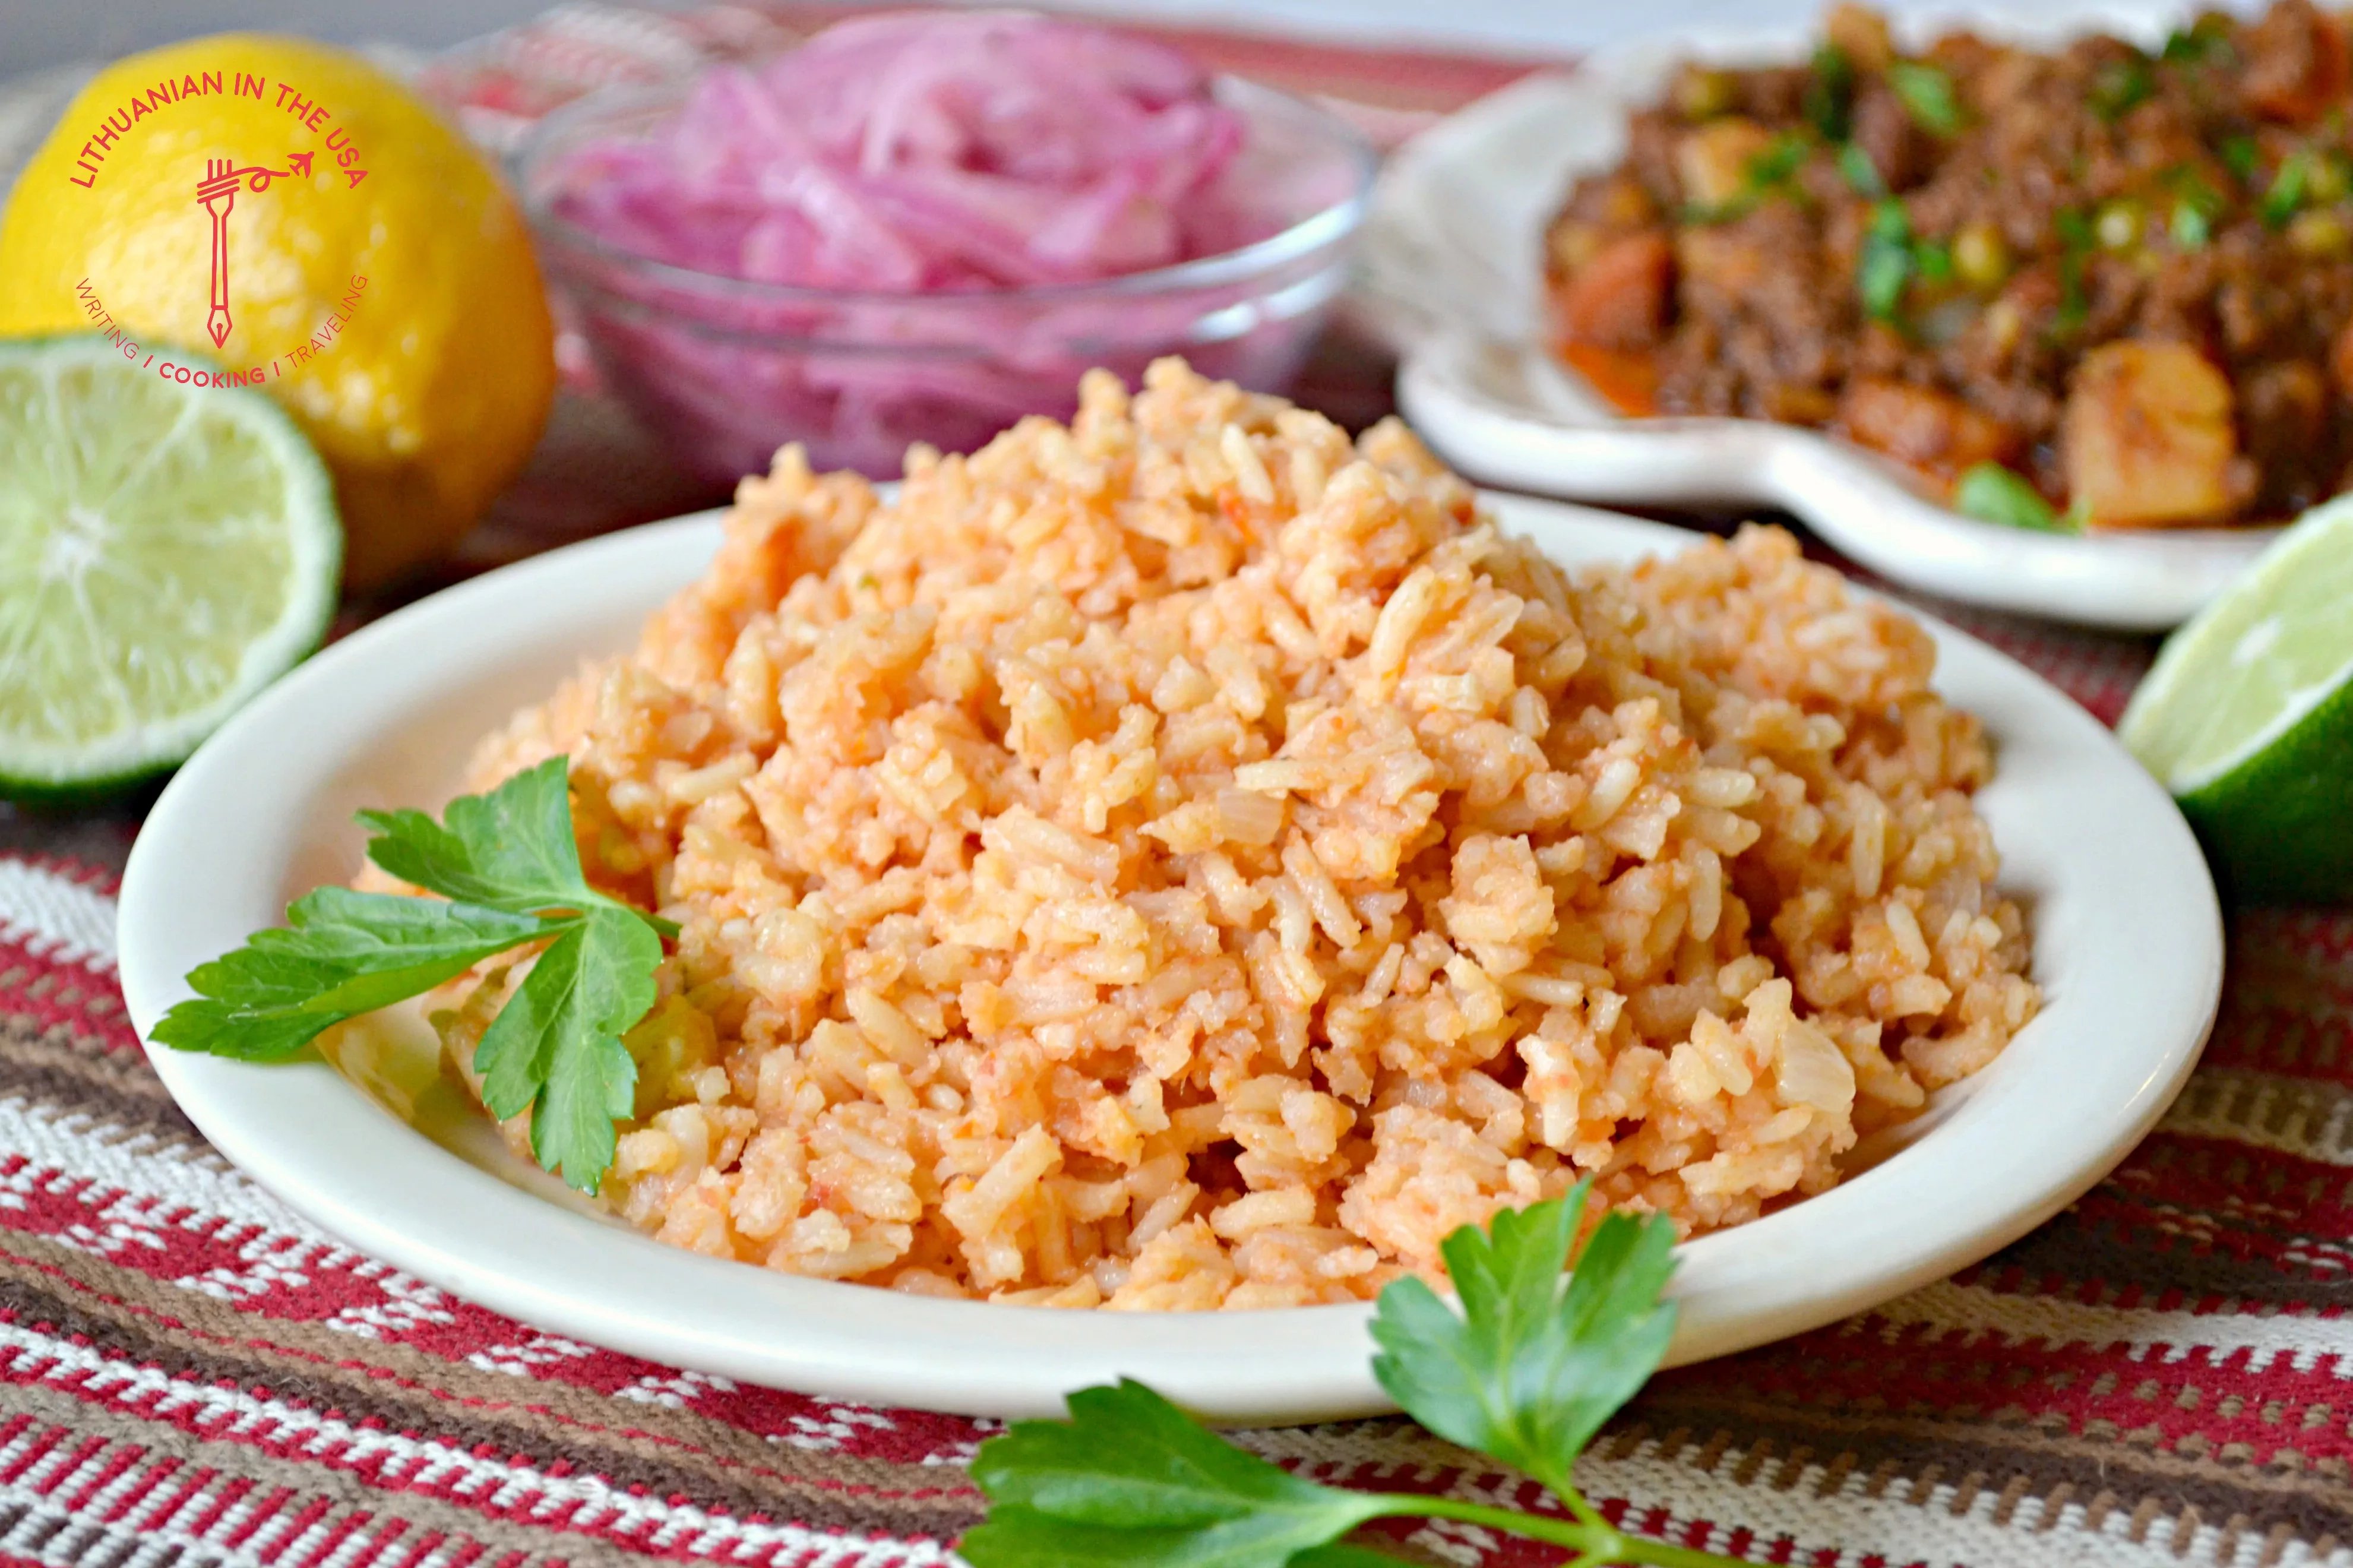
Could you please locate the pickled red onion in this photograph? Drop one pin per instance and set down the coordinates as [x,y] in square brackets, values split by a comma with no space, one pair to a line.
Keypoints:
[933,152]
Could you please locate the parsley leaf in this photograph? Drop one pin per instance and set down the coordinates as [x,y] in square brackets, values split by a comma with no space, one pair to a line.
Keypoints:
[2240,156]
[1993,493]
[1129,1479]
[510,867]
[1528,1372]
[1926,92]
[510,849]
[342,954]
[555,1047]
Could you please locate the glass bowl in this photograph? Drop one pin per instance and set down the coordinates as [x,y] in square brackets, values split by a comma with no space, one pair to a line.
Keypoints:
[725,370]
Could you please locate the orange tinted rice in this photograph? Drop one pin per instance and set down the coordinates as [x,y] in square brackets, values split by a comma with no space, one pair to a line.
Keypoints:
[1188,859]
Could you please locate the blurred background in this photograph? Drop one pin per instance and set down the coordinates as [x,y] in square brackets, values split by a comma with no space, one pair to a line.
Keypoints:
[34,33]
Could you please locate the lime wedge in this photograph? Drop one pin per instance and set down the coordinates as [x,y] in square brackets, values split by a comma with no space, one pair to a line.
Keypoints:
[165,552]
[2247,716]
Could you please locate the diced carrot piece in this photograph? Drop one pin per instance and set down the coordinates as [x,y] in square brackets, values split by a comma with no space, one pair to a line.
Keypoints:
[2146,439]
[1619,299]
[1627,382]
[2340,360]
[2300,64]
[1921,428]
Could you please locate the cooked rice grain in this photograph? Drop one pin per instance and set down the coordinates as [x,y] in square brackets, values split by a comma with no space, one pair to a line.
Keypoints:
[1188,860]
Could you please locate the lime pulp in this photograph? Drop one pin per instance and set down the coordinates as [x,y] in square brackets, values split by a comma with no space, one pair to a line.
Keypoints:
[165,552]
[2247,717]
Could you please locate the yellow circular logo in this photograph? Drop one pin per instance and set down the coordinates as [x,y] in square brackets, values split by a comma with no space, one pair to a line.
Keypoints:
[316,152]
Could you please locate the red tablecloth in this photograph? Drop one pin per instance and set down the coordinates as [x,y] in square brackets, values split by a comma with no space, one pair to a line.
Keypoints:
[191,1375]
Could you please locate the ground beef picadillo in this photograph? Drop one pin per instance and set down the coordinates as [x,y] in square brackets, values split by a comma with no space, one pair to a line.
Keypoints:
[2125,278]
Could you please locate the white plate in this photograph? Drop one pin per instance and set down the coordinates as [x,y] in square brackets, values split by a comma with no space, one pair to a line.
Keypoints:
[1453,278]
[2128,946]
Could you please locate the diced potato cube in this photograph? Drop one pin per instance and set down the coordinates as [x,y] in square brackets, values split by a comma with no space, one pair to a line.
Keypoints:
[1921,428]
[2147,438]
[1725,260]
[1712,161]
[1862,32]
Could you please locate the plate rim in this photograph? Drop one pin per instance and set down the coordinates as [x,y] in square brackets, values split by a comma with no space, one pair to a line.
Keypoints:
[1560,441]
[494,1245]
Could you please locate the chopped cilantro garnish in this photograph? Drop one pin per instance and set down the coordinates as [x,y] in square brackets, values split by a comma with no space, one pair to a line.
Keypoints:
[2119,86]
[1780,158]
[1860,172]
[1926,91]
[2204,42]
[2196,204]
[2075,305]
[1829,100]
[2076,240]
[2285,193]
[1885,265]
[1994,494]
[2240,156]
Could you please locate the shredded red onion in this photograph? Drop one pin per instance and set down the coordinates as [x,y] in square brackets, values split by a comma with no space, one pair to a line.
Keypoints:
[925,153]
[920,228]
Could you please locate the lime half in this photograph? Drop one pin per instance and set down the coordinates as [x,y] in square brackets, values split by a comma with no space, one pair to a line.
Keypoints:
[165,552]
[2247,716]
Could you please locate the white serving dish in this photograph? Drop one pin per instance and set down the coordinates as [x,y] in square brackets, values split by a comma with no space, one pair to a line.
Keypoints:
[2128,946]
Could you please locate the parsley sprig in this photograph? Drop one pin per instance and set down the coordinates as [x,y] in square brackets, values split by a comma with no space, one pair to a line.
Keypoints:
[1525,1373]
[507,867]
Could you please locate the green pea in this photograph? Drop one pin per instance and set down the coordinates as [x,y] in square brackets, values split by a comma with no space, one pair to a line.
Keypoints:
[2325,183]
[2317,233]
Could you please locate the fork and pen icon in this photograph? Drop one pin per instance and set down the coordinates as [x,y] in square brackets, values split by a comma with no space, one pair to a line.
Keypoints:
[217,193]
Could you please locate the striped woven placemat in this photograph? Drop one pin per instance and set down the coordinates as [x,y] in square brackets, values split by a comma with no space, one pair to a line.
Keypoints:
[190,1375]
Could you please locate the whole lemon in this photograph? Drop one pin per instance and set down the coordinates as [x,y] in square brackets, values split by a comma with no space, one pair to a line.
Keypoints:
[266,211]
